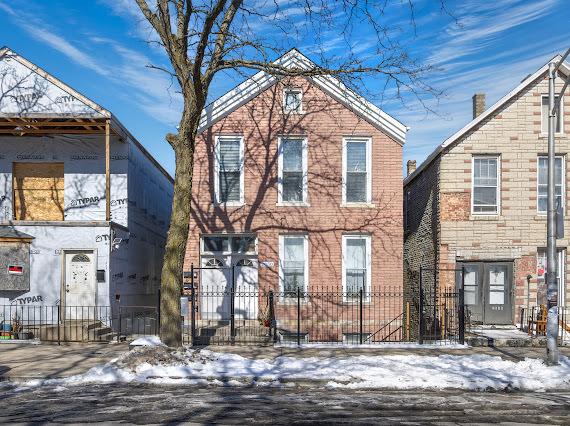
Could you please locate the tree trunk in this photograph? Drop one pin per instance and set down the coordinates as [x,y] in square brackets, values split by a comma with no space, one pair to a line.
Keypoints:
[171,279]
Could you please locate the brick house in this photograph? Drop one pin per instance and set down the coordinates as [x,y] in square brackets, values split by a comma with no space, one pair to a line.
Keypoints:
[479,201]
[297,183]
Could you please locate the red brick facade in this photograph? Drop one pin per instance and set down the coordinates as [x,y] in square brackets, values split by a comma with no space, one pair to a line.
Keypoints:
[325,220]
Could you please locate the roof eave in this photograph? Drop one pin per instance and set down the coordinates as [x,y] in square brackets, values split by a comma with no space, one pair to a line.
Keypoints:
[479,119]
[251,87]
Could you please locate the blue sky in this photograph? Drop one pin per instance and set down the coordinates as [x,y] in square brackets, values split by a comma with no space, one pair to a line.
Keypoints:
[98,48]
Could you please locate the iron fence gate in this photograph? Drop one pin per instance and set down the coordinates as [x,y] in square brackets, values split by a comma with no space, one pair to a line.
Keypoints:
[441,305]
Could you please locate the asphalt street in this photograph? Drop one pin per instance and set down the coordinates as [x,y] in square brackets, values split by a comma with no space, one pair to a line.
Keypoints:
[154,404]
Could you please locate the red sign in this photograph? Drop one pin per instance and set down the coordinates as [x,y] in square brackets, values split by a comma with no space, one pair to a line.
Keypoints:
[16,270]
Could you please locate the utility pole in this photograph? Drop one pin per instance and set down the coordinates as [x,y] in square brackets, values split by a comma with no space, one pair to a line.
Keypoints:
[552,353]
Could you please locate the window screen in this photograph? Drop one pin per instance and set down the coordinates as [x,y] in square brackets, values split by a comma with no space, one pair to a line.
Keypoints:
[542,198]
[293,264]
[545,116]
[229,170]
[356,172]
[292,174]
[485,185]
[355,266]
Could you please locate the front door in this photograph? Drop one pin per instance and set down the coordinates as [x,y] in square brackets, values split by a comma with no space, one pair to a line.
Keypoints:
[229,262]
[488,291]
[79,281]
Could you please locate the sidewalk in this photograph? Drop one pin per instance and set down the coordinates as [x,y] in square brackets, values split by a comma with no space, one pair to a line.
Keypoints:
[270,352]
[23,362]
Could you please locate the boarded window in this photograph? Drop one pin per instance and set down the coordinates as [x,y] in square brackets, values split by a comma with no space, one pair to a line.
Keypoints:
[38,191]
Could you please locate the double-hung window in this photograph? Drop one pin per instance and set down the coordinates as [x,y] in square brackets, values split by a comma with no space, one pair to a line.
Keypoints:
[292,182]
[357,182]
[229,169]
[356,265]
[542,183]
[485,196]
[545,115]
[293,263]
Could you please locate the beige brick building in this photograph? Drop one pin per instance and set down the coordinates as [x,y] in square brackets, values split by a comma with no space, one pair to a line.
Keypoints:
[297,183]
[479,201]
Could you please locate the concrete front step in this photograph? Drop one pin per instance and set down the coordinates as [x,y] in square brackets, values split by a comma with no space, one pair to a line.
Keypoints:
[75,331]
[507,343]
[501,336]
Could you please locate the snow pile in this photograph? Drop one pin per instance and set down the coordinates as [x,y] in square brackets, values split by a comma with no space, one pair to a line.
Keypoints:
[473,372]
[146,341]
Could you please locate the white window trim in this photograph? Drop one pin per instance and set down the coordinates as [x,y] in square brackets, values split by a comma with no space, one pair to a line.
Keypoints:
[304,166]
[293,111]
[561,118]
[217,170]
[498,212]
[368,283]
[543,213]
[282,251]
[203,250]
[368,141]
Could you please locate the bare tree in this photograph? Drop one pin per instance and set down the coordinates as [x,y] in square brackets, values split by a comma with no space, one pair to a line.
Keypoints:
[206,37]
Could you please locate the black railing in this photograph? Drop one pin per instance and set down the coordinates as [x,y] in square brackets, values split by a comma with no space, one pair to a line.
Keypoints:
[319,316]
[532,320]
[76,323]
[441,308]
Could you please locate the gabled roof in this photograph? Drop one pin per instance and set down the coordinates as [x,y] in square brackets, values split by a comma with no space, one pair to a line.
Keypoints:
[457,136]
[262,80]
[36,92]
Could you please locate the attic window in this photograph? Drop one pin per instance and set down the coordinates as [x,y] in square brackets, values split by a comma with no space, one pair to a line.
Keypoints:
[293,100]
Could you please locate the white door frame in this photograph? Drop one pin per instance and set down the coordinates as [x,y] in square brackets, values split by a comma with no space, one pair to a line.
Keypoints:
[63,293]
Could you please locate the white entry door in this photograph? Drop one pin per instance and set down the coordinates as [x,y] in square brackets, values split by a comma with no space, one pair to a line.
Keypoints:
[229,262]
[80,282]
[215,289]
[247,295]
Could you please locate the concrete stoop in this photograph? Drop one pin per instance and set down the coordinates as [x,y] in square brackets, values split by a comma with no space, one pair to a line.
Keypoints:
[502,337]
[76,331]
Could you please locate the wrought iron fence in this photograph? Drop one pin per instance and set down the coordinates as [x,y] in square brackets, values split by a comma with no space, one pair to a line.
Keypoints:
[76,323]
[532,320]
[441,312]
[317,316]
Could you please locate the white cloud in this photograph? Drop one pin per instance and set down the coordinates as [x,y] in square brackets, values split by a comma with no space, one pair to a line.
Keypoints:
[480,23]
[65,47]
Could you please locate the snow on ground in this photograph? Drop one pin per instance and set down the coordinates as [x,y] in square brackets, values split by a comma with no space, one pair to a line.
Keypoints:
[146,341]
[376,346]
[159,364]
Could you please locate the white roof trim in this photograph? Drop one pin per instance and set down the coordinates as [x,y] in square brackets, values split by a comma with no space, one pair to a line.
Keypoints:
[488,112]
[33,67]
[250,88]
